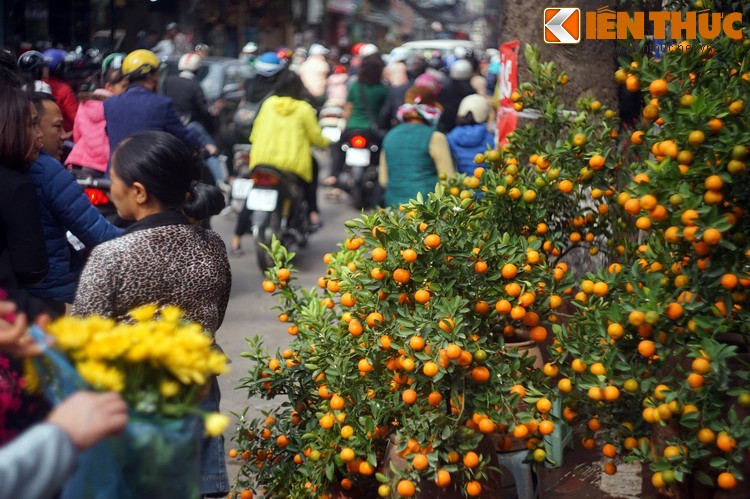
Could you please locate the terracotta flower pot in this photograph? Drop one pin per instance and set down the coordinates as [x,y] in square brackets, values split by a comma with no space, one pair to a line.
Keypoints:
[525,347]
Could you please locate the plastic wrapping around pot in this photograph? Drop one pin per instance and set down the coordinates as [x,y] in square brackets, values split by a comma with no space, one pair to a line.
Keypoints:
[154,457]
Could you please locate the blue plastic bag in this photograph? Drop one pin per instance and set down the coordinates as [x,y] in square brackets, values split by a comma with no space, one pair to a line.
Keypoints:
[155,457]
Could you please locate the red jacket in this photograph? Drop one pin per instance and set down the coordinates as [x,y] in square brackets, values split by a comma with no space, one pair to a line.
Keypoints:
[66,100]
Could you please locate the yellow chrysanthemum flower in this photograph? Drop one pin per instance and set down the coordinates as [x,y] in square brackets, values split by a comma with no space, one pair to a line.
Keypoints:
[144,313]
[169,388]
[117,356]
[216,423]
[171,313]
[30,376]
[101,376]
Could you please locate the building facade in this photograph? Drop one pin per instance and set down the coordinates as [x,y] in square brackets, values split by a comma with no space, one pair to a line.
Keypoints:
[226,25]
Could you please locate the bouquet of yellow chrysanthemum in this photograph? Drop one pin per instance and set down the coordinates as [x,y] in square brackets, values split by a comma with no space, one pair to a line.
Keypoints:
[159,364]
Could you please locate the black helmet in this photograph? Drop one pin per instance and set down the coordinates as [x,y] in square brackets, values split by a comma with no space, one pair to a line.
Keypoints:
[435,63]
[415,66]
[32,62]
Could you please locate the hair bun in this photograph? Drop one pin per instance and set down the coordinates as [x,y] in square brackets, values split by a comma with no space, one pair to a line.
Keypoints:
[203,201]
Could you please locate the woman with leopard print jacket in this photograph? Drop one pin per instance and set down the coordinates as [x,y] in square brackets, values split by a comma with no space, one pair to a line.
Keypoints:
[163,257]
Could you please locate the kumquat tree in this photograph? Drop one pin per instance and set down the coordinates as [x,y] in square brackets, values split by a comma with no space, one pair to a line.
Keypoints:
[402,370]
[404,374]
[659,354]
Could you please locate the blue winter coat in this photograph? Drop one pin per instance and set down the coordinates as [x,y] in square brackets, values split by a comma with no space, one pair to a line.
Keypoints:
[139,109]
[63,207]
[466,142]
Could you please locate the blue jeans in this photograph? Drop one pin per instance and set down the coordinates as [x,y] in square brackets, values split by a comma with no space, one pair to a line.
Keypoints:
[214,477]
[212,162]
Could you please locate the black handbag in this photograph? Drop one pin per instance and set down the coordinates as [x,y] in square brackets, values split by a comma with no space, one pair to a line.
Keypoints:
[377,132]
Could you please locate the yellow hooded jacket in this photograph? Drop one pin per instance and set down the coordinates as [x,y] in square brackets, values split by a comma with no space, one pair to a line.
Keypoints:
[283,132]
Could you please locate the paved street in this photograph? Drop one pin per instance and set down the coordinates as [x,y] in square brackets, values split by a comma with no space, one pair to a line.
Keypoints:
[251,310]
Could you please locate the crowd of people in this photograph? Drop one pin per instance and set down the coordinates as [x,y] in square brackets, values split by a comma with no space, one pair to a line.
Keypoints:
[129,133]
[428,115]
[448,96]
[147,136]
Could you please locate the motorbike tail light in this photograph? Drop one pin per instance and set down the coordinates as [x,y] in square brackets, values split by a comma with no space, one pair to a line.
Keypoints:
[263,179]
[359,142]
[96,196]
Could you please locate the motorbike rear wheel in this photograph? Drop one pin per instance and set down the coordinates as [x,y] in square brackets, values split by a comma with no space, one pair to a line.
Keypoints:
[269,226]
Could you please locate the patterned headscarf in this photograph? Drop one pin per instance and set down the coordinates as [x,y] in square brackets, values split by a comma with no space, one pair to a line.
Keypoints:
[420,103]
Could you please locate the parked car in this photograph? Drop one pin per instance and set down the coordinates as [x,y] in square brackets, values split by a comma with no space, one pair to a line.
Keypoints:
[221,79]
[425,48]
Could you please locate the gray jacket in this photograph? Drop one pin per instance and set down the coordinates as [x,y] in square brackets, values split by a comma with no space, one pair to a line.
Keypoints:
[37,464]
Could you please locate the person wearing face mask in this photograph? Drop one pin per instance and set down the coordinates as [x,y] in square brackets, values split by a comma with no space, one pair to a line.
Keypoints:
[63,207]
[90,153]
[23,256]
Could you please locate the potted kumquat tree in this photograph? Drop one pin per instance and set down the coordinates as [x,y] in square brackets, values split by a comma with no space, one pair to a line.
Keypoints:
[399,372]
[401,356]
[660,356]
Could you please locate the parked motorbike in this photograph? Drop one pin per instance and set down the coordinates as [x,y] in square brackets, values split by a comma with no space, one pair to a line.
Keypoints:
[360,175]
[277,201]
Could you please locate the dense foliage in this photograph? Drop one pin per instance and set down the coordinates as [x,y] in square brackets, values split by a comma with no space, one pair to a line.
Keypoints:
[407,341]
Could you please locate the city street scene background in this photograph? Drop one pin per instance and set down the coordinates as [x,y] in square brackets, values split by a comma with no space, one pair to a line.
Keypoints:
[558,309]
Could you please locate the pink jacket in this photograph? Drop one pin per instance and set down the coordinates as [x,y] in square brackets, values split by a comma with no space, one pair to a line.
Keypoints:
[337,90]
[89,134]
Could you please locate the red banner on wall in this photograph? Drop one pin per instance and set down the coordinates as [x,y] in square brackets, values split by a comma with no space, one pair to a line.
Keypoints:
[507,82]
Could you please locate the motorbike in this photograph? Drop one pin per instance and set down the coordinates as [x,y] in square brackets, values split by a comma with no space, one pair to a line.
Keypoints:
[278,206]
[242,183]
[360,174]
[329,118]
[97,190]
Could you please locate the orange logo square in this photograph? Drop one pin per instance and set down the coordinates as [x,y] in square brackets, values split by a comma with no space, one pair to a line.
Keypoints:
[562,25]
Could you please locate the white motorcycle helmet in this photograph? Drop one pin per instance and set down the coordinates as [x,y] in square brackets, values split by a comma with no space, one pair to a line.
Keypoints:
[368,49]
[189,62]
[318,49]
[461,70]
[250,48]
